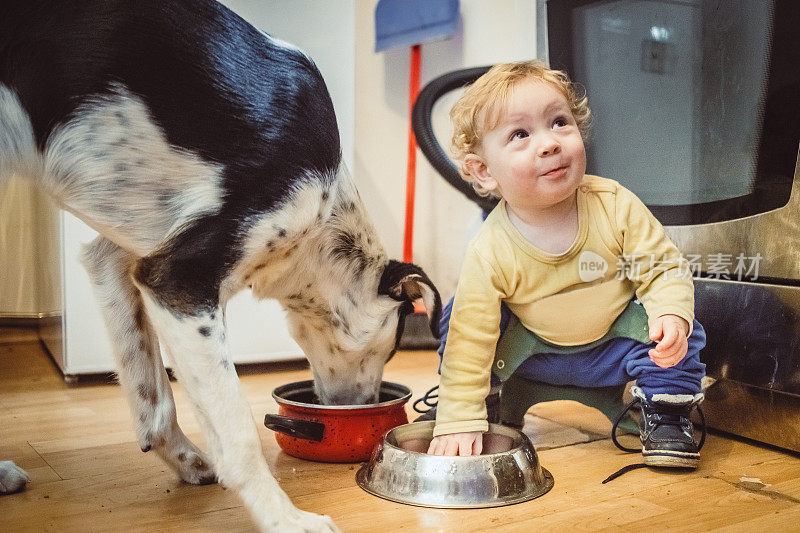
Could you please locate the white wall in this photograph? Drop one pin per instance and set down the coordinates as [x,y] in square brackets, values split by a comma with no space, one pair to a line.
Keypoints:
[500,30]
[325,31]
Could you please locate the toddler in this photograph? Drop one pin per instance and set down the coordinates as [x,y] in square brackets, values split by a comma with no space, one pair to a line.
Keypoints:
[576,261]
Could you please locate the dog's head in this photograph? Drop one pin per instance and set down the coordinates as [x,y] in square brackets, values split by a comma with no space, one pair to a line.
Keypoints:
[350,343]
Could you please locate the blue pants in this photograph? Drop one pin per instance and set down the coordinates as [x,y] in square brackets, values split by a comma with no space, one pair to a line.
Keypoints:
[613,363]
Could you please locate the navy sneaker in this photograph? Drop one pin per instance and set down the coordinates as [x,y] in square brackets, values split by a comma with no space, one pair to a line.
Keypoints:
[666,431]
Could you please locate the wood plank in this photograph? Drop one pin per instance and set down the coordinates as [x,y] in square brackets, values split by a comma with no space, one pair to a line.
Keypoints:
[88,474]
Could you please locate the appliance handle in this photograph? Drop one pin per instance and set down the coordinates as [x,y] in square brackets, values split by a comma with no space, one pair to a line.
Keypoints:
[295,427]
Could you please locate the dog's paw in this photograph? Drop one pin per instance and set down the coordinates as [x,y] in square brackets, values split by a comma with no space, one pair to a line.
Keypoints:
[305,522]
[194,468]
[12,478]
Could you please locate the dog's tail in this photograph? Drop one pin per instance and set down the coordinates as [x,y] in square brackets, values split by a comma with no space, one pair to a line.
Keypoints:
[18,153]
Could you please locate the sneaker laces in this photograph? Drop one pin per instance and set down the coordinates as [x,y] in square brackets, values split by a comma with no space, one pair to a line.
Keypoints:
[430,399]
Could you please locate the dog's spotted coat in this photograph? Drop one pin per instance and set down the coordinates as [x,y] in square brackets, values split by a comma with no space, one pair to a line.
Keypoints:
[206,154]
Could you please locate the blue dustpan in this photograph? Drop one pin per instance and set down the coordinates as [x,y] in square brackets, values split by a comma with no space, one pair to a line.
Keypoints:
[404,23]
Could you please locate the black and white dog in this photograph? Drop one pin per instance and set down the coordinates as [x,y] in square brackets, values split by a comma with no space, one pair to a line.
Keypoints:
[206,154]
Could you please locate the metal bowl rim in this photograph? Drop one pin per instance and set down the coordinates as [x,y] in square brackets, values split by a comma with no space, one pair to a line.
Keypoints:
[549,483]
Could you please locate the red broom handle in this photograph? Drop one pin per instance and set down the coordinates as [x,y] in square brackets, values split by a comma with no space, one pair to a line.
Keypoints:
[411,172]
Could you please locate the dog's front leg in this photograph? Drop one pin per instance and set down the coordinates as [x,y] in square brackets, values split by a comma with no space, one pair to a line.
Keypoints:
[198,348]
[139,367]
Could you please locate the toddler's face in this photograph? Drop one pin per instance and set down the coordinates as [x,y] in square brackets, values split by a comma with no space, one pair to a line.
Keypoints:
[535,156]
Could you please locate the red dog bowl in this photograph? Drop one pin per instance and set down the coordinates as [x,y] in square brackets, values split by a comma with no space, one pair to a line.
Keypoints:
[334,433]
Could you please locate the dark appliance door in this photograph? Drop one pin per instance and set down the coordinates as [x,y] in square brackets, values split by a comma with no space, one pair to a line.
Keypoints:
[696,107]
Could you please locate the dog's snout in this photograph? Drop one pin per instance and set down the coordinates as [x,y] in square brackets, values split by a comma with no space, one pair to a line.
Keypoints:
[355,395]
[340,399]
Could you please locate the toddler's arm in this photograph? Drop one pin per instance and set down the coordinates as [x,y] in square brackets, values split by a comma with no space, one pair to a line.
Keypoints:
[466,369]
[467,443]
[661,275]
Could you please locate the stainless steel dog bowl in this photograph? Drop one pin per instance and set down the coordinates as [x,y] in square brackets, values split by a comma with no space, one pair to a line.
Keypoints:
[397,473]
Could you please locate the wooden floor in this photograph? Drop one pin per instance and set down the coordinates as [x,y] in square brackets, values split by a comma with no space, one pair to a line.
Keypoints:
[89,475]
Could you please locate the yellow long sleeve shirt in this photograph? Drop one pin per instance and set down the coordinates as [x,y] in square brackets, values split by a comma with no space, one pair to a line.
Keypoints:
[569,299]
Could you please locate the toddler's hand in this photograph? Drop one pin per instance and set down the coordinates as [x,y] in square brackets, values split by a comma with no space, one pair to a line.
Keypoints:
[670,332]
[467,443]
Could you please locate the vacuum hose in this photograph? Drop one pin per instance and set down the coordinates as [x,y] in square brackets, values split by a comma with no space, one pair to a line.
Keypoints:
[423,130]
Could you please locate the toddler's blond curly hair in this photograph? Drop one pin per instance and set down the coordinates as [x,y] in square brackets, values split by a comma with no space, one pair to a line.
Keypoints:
[479,108]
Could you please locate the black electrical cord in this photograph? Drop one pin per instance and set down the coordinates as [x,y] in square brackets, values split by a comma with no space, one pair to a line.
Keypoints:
[426,140]
[430,399]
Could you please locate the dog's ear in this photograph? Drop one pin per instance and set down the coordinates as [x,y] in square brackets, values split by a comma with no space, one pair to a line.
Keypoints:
[406,282]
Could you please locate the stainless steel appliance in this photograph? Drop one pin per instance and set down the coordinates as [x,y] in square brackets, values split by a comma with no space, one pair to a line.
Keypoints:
[696,107]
